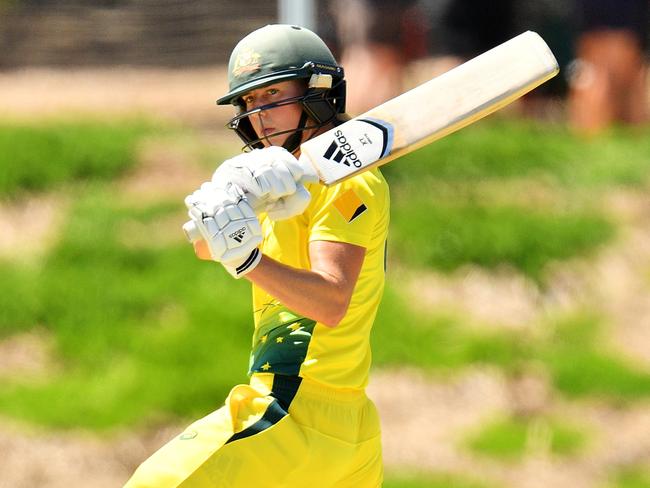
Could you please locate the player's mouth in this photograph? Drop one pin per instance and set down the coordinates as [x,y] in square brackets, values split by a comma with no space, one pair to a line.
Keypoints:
[269,130]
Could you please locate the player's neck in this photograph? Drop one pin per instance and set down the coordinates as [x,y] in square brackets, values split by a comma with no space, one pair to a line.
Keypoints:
[320,130]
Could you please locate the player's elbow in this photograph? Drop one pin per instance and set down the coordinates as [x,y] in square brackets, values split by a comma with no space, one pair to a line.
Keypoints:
[331,320]
[335,300]
[335,313]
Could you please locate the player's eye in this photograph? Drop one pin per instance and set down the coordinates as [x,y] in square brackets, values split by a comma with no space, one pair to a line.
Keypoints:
[272,91]
[248,100]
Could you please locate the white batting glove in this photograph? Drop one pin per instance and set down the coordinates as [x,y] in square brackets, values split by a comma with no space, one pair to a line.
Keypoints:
[289,206]
[228,224]
[238,268]
[274,178]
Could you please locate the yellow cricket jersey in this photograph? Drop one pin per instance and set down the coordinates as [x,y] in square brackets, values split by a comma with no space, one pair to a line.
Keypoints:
[355,211]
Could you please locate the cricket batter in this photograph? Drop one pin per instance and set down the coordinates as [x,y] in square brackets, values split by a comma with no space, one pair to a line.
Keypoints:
[315,257]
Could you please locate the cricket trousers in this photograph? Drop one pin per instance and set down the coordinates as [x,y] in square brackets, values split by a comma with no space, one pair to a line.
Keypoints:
[277,431]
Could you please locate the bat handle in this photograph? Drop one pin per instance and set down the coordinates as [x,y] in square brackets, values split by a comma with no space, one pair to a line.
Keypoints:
[191,232]
[309,174]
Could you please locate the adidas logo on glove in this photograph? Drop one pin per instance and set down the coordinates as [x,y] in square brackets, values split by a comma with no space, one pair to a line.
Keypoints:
[238,235]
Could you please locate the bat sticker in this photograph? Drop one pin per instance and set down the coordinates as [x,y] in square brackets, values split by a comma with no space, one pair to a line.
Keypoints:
[356,144]
[387,134]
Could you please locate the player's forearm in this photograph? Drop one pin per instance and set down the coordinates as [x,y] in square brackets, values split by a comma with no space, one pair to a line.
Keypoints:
[317,295]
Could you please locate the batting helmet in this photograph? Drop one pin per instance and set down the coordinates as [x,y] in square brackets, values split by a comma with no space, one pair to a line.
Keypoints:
[277,53]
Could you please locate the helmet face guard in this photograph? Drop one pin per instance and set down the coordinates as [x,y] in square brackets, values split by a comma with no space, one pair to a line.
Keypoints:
[320,106]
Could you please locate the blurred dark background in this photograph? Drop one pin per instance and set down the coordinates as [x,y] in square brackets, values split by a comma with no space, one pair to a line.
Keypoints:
[600,43]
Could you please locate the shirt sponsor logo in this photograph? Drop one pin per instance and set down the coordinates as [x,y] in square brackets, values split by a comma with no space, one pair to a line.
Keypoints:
[349,205]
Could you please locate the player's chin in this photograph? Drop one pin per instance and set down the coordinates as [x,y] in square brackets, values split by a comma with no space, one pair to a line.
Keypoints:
[272,140]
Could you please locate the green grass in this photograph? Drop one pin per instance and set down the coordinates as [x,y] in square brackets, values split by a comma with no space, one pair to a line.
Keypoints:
[148,327]
[631,478]
[437,342]
[441,220]
[580,366]
[426,233]
[503,148]
[591,373]
[38,156]
[139,331]
[512,438]
[431,480]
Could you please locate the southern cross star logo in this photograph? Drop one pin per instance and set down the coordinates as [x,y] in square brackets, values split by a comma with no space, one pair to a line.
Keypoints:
[248,61]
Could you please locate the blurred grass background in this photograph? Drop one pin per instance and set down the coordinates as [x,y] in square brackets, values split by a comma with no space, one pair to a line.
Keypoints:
[143,334]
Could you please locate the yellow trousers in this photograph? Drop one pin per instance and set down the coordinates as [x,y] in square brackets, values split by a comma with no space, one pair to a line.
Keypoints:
[277,431]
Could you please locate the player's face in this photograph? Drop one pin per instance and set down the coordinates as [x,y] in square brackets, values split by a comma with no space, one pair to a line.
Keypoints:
[276,119]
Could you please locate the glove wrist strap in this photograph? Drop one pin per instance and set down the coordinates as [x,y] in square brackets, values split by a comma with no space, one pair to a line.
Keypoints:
[247,266]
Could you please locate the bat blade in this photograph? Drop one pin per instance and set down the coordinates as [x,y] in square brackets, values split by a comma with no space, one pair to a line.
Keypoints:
[432,110]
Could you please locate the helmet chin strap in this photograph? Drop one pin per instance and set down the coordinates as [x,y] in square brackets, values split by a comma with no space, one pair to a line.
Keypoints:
[293,141]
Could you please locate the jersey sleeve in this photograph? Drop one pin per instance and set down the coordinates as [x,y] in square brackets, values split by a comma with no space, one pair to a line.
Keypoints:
[348,211]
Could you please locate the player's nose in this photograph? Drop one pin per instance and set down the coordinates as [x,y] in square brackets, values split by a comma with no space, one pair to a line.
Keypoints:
[263,114]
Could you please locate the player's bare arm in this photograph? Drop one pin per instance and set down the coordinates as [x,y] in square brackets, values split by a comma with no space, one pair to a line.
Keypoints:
[334,271]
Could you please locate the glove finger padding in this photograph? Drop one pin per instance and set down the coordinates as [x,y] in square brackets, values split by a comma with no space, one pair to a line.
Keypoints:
[275,180]
[268,173]
[209,193]
[194,199]
[290,206]
[228,225]
[279,156]
[297,169]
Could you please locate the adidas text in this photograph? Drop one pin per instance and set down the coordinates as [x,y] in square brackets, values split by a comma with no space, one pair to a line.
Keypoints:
[347,149]
[345,154]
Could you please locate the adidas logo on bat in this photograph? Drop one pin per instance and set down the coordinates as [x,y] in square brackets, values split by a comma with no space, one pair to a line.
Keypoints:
[341,151]
[239,234]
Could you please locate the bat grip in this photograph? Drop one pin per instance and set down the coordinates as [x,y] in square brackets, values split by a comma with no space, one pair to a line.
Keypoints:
[191,232]
[309,174]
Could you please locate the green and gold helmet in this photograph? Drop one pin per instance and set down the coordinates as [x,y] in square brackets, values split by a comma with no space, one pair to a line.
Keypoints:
[277,53]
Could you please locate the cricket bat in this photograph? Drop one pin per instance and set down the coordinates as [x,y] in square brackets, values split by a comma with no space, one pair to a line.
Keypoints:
[430,111]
